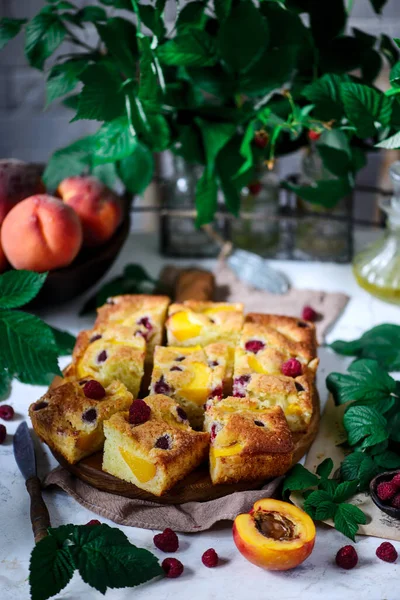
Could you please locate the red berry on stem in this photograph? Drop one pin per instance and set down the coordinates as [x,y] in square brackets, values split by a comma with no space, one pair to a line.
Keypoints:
[6,412]
[385,490]
[139,412]
[261,139]
[255,188]
[94,522]
[167,541]
[309,314]
[94,390]
[3,433]
[210,558]
[172,567]
[387,552]
[347,557]
[313,135]
[292,368]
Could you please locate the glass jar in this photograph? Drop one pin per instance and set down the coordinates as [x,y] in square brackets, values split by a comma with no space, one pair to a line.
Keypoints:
[317,237]
[257,228]
[377,268]
[179,236]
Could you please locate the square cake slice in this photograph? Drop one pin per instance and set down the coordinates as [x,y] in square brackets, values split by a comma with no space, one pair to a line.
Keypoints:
[70,418]
[201,323]
[248,441]
[191,376]
[145,315]
[157,453]
[110,355]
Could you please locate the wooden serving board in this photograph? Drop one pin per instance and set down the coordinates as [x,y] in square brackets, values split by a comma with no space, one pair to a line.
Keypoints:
[196,487]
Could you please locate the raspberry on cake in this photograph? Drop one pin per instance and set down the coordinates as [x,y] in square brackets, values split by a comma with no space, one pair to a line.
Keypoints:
[71,423]
[112,355]
[156,454]
[201,323]
[191,376]
[144,315]
[248,441]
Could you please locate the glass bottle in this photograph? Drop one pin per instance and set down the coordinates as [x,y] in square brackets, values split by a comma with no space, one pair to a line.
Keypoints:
[377,268]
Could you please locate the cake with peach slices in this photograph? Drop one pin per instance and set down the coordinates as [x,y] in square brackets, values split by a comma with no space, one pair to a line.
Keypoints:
[70,418]
[195,323]
[191,375]
[152,445]
[248,441]
[113,354]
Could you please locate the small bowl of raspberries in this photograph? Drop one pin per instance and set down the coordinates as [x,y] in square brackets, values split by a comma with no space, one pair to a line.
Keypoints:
[385,492]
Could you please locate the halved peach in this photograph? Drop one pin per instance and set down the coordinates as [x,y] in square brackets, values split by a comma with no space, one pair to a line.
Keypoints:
[183,326]
[274,535]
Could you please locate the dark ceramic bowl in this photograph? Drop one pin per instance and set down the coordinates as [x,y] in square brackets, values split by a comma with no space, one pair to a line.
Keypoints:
[89,266]
[389,510]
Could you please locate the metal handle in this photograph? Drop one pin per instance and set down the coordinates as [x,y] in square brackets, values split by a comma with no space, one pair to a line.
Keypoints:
[40,517]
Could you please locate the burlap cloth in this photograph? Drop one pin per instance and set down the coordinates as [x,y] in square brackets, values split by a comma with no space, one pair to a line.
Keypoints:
[199,516]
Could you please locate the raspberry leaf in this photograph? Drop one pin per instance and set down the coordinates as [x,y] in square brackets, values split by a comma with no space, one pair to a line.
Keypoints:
[387,460]
[381,343]
[325,510]
[324,469]
[63,79]
[101,98]
[50,569]
[64,341]
[19,287]
[345,490]
[347,519]
[359,466]
[193,48]
[299,479]
[9,29]
[43,35]
[5,384]
[365,424]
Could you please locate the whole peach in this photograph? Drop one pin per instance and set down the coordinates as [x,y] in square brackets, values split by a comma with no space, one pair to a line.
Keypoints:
[18,180]
[98,208]
[40,234]
[3,260]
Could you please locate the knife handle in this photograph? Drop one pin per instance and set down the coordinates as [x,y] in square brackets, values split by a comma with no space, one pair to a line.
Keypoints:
[40,517]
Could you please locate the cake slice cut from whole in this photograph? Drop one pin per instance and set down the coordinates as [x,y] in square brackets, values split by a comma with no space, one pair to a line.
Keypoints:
[69,418]
[113,354]
[248,441]
[153,446]
[194,323]
[191,375]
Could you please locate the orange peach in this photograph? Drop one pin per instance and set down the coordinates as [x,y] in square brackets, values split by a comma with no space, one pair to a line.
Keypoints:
[3,260]
[98,208]
[18,180]
[40,234]
[274,535]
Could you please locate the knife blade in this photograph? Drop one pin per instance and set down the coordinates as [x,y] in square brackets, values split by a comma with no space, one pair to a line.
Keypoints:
[25,457]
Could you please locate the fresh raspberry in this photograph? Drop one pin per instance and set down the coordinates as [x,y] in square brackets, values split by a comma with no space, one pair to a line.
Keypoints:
[347,557]
[145,321]
[3,433]
[94,522]
[217,392]
[161,386]
[387,552]
[261,139]
[396,481]
[172,567]
[309,314]
[239,386]
[254,346]
[385,490]
[255,188]
[94,390]
[167,541]
[313,135]
[213,432]
[291,368]
[6,412]
[139,412]
[396,501]
[210,558]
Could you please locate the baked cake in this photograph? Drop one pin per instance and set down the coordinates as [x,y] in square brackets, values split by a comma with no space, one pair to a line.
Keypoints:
[191,375]
[70,418]
[194,323]
[144,315]
[154,454]
[112,354]
[248,441]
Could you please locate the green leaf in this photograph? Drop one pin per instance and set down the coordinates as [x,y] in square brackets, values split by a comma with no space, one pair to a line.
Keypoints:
[371,66]
[359,466]
[9,29]
[101,98]
[27,347]
[241,50]
[136,170]
[324,469]
[191,15]
[391,143]
[215,136]
[148,82]
[366,381]
[193,48]
[381,343]
[364,106]
[159,137]
[91,14]
[43,35]
[19,287]
[345,490]
[299,479]
[222,9]
[72,160]
[395,75]
[119,36]
[50,569]
[64,341]
[106,559]
[389,49]
[152,19]
[365,423]
[63,79]
[113,141]
[107,173]
[325,28]
[314,500]
[387,460]
[347,519]
[324,93]
[334,149]
[328,485]
[325,510]
[377,5]
[324,192]
[5,383]
[246,149]
[206,198]
[228,161]
[273,69]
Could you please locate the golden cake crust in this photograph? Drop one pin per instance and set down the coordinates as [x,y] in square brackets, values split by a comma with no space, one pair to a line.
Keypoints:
[119,309]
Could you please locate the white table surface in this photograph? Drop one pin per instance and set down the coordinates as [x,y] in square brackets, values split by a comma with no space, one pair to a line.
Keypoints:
[235,578]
